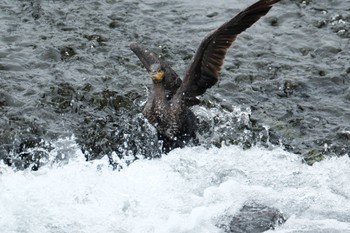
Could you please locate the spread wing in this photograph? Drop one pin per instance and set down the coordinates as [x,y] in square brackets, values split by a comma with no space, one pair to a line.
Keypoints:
[171,80]
[203,72]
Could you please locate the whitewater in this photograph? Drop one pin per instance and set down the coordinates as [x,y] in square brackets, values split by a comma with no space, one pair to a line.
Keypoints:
[188,190]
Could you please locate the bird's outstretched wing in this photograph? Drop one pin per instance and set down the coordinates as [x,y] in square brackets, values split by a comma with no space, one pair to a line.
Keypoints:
[203,72]
[171,80]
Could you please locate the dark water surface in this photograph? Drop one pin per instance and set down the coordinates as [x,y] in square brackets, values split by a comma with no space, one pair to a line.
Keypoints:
[66,69]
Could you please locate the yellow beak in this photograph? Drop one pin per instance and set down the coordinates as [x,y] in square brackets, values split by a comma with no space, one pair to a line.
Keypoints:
[157,76]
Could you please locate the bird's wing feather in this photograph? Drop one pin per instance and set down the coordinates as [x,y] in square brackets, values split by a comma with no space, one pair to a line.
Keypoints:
[203,72]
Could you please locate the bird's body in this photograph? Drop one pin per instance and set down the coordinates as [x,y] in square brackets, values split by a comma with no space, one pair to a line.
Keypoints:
[168,105]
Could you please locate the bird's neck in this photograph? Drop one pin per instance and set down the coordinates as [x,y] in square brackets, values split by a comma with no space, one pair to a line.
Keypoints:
[159,91]
[158,87]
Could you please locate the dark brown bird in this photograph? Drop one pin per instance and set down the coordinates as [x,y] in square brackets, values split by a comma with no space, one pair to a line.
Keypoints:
[167,107]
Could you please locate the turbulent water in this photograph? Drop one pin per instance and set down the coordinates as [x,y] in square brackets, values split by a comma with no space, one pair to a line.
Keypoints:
[189,190]
[71,91]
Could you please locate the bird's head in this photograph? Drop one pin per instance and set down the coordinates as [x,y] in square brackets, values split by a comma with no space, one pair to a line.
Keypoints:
[157,74]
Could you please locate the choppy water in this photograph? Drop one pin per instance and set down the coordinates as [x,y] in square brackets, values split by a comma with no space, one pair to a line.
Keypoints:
[66,69]
[189,190]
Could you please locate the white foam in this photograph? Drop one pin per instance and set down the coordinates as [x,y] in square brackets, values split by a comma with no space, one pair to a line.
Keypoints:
[188,190]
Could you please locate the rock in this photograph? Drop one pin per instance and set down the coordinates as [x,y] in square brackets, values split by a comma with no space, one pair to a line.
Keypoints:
[254,218]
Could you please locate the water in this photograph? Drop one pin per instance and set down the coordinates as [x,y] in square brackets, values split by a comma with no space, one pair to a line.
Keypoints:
[71,90]
[189,190]
[66,69]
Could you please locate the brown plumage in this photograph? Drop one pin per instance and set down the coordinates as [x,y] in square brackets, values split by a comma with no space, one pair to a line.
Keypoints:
[167,107]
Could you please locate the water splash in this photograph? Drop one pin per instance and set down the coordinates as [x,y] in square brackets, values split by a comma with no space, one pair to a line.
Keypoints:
[188,190]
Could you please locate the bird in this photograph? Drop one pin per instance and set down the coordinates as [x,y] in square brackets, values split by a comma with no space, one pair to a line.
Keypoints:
[168,107]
